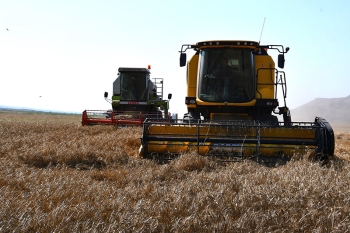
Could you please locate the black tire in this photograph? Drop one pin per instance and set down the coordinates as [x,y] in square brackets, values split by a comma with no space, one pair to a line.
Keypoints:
[269,120]
[191,117]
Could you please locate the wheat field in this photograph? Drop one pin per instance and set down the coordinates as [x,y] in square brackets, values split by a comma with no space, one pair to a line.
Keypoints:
[58,176]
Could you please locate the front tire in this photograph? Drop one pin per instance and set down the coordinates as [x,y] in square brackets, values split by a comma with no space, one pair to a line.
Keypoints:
[191,117]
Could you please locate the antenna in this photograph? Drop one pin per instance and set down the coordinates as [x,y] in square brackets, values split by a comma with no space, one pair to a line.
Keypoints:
[262,30]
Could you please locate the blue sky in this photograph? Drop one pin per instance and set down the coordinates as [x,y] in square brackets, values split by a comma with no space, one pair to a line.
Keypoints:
[68,52]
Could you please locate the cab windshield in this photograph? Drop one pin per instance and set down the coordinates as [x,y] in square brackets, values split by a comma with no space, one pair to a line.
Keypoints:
[133,86]
[226,75]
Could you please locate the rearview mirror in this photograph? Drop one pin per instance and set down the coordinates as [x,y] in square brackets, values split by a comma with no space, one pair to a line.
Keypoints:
[183,59]
[106,94]
[169,96]
[281,61]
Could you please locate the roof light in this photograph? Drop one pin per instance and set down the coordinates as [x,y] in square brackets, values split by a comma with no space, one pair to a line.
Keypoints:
[131,69]
[228,42]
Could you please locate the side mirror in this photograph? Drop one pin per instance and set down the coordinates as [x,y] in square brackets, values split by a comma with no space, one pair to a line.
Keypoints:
[106,94]
[281,61]
[169,96]
[182,59]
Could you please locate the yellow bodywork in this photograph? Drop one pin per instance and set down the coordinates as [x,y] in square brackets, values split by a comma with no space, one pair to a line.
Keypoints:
[264,67]
[192,70]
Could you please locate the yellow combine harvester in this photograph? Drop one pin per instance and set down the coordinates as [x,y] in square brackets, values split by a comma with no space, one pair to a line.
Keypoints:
[232,109]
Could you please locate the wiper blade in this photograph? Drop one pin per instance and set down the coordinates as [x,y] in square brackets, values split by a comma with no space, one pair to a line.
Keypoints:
[218,59]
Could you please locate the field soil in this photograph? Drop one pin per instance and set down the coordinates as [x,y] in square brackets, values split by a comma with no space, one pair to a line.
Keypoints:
[58,176]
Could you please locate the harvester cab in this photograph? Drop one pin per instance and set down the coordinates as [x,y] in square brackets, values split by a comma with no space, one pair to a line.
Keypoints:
[232,89]
[135,98]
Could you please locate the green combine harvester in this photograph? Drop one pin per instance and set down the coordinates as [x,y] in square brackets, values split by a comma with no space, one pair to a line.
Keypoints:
[135,98]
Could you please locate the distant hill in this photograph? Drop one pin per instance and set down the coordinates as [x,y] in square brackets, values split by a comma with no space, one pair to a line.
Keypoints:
[33,110]
[335,110]
[10,108]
